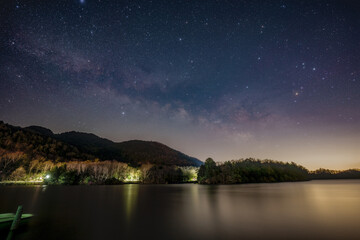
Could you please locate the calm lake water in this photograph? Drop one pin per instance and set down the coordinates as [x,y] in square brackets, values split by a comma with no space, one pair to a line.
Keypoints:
[303,210]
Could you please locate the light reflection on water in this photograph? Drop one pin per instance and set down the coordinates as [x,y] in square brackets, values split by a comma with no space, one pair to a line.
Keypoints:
[130,194]
[302,210]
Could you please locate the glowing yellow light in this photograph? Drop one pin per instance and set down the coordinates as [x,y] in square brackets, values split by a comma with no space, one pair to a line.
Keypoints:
[133,176]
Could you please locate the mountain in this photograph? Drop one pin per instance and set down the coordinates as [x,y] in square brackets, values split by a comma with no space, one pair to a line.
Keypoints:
[25,144]
[134,151]
[154,152]
[87,141]
[36,142]
[102,148]
[40,130]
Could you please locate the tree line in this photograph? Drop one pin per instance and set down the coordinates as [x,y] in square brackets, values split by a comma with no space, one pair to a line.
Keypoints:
[335,174]
[14,166]
[255,171]
[250,171]
[98,172]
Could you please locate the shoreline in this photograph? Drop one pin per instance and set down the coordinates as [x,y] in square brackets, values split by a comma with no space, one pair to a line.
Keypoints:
[38,183]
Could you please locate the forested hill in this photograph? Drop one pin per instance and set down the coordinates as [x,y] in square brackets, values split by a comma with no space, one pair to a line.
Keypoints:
[155,152]
[36,142]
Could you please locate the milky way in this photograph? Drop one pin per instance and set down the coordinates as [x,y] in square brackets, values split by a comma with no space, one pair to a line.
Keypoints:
[224,79]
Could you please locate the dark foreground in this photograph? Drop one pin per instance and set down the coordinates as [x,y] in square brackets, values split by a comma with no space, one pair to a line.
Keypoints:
[302,210]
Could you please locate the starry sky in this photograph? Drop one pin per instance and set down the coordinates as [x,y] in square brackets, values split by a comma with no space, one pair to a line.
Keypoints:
[221,79]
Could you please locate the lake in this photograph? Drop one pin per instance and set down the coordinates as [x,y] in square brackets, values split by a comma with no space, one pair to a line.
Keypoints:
[328,209]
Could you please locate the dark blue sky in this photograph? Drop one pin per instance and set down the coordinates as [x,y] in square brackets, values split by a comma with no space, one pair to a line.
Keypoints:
[226,79]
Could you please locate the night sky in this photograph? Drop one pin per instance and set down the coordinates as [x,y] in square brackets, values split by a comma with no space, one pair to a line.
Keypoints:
[221,79]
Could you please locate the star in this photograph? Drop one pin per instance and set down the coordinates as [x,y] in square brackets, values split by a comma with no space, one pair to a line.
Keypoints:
[161,57]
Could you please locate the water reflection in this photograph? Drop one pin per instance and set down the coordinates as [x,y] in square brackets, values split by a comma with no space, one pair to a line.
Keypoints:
[35,197]
[304,210]
[130,199]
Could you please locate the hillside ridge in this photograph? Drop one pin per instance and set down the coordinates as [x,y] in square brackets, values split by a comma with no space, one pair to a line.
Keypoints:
[39,142]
